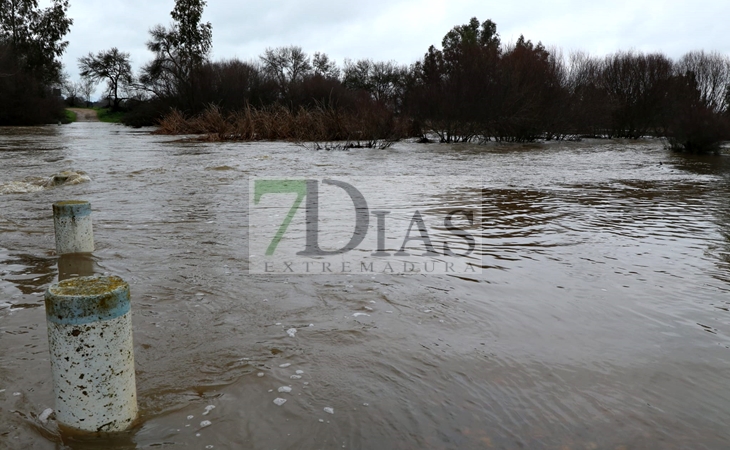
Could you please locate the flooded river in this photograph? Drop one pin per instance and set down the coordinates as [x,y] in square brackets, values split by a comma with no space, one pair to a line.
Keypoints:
[599,318]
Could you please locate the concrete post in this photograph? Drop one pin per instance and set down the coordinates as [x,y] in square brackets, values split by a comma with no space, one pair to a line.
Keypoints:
[72,223]
[92,358]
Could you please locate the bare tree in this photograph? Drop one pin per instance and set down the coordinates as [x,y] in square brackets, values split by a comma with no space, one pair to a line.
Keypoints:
[324,66]
[286,65]
[86,88]
[111,66]
[384,81]
[711,72]
[70,90]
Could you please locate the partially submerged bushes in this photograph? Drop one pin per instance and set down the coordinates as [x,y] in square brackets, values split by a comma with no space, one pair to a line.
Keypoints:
[369,127]
[474,88]
[698,131]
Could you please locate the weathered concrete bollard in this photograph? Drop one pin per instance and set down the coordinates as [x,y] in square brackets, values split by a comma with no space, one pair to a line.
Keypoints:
[72,223]
[92,357]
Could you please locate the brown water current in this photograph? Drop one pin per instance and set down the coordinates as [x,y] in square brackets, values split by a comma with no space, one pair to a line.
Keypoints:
[601,318]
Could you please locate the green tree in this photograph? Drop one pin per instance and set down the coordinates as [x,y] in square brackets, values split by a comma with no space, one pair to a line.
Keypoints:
[111,66]
[194,39]
[36,35]
[31,44]
[464,40]
[455,86]
[180,52]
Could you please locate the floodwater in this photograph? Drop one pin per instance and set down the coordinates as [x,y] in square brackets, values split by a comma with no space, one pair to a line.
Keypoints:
[600,318]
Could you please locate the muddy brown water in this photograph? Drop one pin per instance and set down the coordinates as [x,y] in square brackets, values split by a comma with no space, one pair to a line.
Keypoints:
[601,318]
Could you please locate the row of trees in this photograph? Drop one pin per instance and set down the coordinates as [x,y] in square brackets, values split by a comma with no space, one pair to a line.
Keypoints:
[174,76]
[475,87]
[472,88]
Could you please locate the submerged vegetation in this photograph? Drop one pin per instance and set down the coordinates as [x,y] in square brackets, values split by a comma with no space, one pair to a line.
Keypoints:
[471,88]
[320,126]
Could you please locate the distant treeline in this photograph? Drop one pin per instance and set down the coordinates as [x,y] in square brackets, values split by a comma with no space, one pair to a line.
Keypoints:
[474,88]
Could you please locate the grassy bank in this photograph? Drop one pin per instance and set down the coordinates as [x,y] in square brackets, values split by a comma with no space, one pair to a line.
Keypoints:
[68,116]
[109,116]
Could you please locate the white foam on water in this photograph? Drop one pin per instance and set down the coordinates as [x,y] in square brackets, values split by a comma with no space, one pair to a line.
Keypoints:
[35,184]
[285,365]
[306,383]
[427,310]
[299,372]
[208,409]
[329,410]
[295,377]
[279,401]
[389,312]
[15,394]
[291,332]
[43,417]
[190,417]
[260,374]
[366,404]
[205,423]
[19,187]
[360,314]
[284,389]
[321,420]
[372,301]
[311,324]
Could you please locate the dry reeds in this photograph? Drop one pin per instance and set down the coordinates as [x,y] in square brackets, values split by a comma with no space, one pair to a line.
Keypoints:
[319,127]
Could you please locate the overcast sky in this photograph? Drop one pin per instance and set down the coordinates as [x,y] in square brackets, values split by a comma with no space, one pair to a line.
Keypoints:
[402,30]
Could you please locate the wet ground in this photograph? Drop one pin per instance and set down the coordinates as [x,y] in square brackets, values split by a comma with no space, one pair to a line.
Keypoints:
[599,318]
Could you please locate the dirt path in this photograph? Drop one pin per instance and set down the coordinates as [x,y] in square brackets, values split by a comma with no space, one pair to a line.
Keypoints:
[85,115]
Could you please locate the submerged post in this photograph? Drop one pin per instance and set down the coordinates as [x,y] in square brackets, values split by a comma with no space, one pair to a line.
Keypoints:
[72,223]
[92,358]
[72,265]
